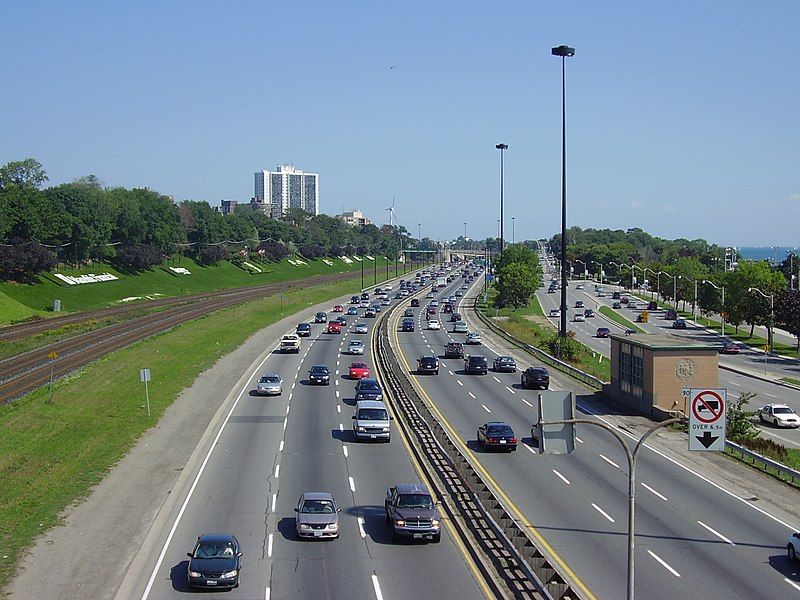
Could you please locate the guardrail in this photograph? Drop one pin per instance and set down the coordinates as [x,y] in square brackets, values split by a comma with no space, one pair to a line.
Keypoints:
[543,356]
[766,464]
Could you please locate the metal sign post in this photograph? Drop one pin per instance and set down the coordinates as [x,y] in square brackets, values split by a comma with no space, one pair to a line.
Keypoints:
[144,376]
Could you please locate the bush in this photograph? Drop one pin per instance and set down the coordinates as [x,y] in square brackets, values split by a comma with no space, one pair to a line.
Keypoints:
[563,348]
[139,258]
[211,255]
[274,251]
[740,426]
[22,261]
[312,251]
[768,448]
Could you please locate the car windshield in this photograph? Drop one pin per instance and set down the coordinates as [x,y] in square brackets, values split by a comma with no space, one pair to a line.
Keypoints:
[782,410]
[415,501]
[269,379]
[373,414]
[368,387]
[214,550]
[317,507]
[319,370]
[358,366]
[499,430]
[356,343]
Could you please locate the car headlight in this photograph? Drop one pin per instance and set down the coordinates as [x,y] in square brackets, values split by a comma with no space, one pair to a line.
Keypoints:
[385,430]
[361,428]
[229,574]
[434,522]
[194,574]
[305,526]
[399,522]
[333,526]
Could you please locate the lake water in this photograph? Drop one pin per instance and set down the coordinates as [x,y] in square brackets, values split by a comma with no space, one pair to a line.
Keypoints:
[764,252]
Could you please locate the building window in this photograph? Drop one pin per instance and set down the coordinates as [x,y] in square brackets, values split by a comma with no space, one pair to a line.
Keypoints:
[631,370]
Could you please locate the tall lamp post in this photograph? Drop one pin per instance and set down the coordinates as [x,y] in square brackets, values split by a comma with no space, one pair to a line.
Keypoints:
[722,312]
[619,268]
[513,235]
[585,275]
[644,274]
[563,52]
[599,264]
[771,298]
[502,148]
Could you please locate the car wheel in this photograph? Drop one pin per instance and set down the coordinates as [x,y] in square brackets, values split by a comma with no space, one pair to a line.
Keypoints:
[761,418]
[388,518]
[437,538]
[436,372]
[791,553]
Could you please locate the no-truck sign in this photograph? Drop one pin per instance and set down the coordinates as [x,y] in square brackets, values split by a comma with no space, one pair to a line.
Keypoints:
[707,419]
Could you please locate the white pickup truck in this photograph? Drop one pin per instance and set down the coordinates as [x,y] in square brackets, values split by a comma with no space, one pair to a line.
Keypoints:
[290,343]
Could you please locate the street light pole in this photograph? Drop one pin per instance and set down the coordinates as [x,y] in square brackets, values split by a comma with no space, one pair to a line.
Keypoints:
[502,148]
[563,51]
[722,312]
[513,235]
[771,298]
[585,275]
[594,262]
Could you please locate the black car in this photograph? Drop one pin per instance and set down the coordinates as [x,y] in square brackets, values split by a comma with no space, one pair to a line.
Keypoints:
[616,296]
[321,317]
[319,374]
[671,314]
[455,317]
[341,320]
[303,329]
[408,324]
[428,364]
[588,313]
[652,305]
[497,434]
[454,350]
[365,295]
[415,302]
[477,365]
[215,562]
[504,364]
[368,388]
[535,377]
[679,324]
[355,299]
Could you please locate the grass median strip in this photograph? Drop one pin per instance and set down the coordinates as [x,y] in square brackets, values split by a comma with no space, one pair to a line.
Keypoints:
[52,453]
[618,318]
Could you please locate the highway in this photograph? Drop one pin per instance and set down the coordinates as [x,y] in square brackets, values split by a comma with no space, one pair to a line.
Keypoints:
[695,538]
[266,452]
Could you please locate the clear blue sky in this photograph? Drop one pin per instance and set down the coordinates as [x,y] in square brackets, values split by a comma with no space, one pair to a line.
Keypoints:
[682,116]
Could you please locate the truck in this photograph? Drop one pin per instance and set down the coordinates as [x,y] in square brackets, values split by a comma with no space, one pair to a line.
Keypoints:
[290,343]
[441,282]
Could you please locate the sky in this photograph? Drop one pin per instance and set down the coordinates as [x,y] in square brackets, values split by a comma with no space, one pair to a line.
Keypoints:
[682,117]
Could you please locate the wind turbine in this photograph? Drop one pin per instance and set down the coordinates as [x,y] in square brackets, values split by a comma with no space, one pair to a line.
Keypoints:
[392,214]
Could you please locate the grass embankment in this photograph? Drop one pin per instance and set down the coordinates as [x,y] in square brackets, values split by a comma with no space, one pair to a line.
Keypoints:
[618,318]
[51,454]
[792,461]
[791,380]
[524,329]
[159,281]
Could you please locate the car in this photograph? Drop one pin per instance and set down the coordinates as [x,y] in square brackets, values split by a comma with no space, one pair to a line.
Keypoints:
[460,327]
[616,305]
[415,302]
[398,295]
[371,421]
[408,313]
[365,295]
[360,328]
[376,307]
[408,325]
[616,295]
[552,289]
[588,313]
[317,516]
[579,304]
[412,513]
[455,317]
[624,300]
[363,304]
[579,317]
[671,314]
[473,338]
[601,294]
[290,343]
[358,370]
[465,287]
[535,377]
[303,329]
[679,324]
[431,310]
[477,365]
[321,317]
[352,310]
[355,299]
[730,348]
[334,327]
[338,308]
[430,295]
[454,350]
[269,385]
[497,434]
[779,415]
[215,562]
[428,364]
[504,364]
[652,305]
[434,303]
[355,347]
[459,294]
[386,302]
[579,286]
[434,324]
[555,312]
[342,319]
[792,546]
[602,332]
[319,375]
[370,313]
[447,309]
[368,388]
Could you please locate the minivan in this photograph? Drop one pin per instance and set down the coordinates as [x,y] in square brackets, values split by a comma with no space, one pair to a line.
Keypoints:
[371,421]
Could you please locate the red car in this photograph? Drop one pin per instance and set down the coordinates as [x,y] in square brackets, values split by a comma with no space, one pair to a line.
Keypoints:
[334,327]
[730,348]
[603,332]
[338,308]
[359,370]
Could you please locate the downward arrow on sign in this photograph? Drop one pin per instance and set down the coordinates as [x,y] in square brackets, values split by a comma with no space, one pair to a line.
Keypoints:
[707,439]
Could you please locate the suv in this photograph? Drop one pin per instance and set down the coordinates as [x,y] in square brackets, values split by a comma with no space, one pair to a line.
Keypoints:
[290,343]
[408,324]
[415,302]
[476,364]
[321,317]
[454,350]
[303,329]
[368,388]
[535,377]
[428,364]
[412,513]
[371,421]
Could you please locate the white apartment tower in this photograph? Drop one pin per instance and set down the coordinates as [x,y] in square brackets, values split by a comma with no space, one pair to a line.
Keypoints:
[286,188]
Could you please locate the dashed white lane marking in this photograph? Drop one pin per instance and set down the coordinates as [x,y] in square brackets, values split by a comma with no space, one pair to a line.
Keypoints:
[652,491]
[344,449]
[361,527]
[294,383]
[602,512]
[266,595]
[451,373]
[277,471]
[339,408]
[352,484]
[531,449]
[609,461]
[485,408]
[510,390]
[337,382]
[663,563]
[495,378]
[579,440]
[770,395]
[528,403]
[471,395]
[341,427]
[441,364]
[736,384]
[337,371]
[285,423]
[280,446]
[337,393]
[561,477]
[337,364]
[287,408]
[290,396]
[716,533]
[376,586]
[791,583]
[460,383]
[269,546]
[274,500]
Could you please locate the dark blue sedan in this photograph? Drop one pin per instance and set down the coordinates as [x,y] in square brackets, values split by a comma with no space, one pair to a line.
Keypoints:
[216,562]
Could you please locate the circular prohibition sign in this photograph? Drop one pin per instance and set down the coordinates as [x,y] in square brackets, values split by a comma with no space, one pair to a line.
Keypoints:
[715,405]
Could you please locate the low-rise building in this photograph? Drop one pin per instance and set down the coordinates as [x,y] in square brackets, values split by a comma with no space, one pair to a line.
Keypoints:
[354,217]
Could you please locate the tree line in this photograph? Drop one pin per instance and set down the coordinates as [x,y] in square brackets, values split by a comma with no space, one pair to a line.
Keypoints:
[138,228]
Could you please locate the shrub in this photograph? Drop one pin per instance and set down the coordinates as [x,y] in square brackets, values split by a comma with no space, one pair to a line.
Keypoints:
[22,261]
[139,258]
[211,255]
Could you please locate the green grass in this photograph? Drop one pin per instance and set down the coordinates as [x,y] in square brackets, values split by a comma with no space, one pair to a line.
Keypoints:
[618,318]
[791,380]
[12,310]
[40,296]
[792,462]
[51,454]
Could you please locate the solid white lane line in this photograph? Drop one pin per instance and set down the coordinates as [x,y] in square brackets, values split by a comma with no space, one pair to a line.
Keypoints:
[510,390]
[528,403]
[280,446]
[560,476]
[531,449]
[460,383]
[663,563]
[471,395]
[376,586]
[652,491]
[274,499]
[344,449]
[496,379]
[609,461]
[361,527]
[485,408]
[602,512]
[791,583]
[269,546]
[277,470]
[352,484]
[716,533]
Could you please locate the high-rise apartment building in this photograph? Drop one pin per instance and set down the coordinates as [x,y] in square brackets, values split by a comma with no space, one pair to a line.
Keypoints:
[286,188]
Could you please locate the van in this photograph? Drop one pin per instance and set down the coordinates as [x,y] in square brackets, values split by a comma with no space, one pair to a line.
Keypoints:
[371,421]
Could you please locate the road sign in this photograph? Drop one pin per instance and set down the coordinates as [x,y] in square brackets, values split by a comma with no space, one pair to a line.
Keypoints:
[560,438]
[144,375]
[707,420]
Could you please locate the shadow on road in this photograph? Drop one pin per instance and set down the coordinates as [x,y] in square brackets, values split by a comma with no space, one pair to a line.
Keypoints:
[177,576]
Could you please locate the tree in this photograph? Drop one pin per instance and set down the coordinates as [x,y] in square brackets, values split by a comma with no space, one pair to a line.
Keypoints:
[23,173]
[740,426]
[516,285]
[23,260]
[787,312]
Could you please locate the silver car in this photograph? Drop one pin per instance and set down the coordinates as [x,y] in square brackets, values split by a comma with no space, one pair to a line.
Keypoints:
[355,347]
[360,328]
[460,327]
[317,516]
[474,338]
[270,385]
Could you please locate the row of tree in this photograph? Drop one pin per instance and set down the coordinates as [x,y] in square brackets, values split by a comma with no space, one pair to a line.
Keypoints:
[138,228]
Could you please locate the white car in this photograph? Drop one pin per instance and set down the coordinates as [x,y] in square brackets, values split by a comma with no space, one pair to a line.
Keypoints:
[355,347]
[360,328]
[270,385]
[434,324]
[460,327]
[579,317]
[792,546]
[579,286]
[474,338]
[364,304]
[431,295]
[555,312]
[386,302]
[780,415]
[465,287]
[434,303]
